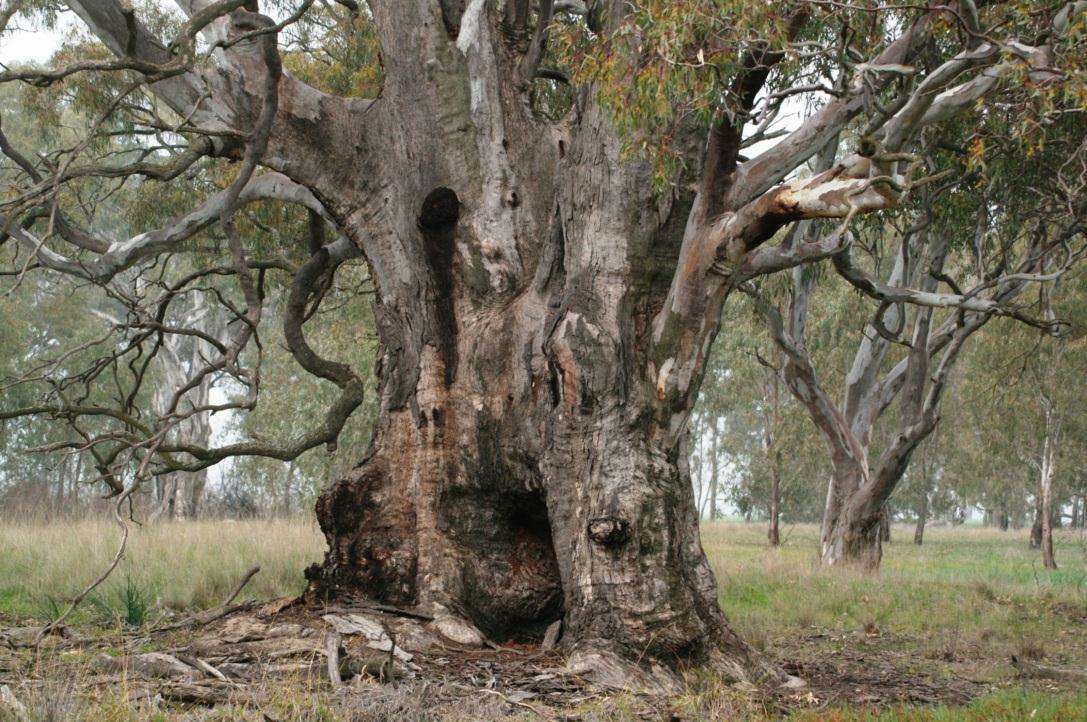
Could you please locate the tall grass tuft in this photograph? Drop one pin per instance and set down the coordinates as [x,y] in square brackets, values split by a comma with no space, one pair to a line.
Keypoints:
[135,603]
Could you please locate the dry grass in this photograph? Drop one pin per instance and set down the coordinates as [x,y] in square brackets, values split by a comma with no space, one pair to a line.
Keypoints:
[963,602]
[188,565]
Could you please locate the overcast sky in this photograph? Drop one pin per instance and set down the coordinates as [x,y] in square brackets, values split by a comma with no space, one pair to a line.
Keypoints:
[26,45]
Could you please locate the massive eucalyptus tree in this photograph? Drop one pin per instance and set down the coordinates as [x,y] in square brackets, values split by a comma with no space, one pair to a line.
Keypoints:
[554,200]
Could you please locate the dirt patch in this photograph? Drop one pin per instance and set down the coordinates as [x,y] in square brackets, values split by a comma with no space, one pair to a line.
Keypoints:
[844,670]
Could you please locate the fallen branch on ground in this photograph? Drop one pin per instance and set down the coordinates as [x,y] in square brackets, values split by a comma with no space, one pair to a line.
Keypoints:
[218,612]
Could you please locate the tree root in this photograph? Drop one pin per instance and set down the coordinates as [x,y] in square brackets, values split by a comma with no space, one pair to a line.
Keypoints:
[605,668]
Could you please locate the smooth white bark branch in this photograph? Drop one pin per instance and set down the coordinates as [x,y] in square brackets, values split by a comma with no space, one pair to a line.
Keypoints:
[769,168]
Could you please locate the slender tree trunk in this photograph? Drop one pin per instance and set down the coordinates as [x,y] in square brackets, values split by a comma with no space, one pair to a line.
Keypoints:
[1003,519]
[773,454]
[1049,459]
[166,488]
[1036,527]
[714,471]
[853,527]
[288,482]
[699,471]
[885,526]
[774,533]
[189,494]
[922,517]
[60,481]
[851,532]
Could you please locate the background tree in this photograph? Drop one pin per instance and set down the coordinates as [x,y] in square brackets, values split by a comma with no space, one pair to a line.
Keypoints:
[1005,246]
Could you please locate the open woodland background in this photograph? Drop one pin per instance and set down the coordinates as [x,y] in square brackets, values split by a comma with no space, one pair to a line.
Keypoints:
[983,463]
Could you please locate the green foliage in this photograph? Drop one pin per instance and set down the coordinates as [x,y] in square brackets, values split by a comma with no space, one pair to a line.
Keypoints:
[135,603]
[336,51]
[667,70]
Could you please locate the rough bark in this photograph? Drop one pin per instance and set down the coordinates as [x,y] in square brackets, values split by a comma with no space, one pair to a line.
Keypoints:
[529,460]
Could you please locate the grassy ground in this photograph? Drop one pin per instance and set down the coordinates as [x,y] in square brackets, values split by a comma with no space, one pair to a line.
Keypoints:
[962,586]
[181,566]
[957,607]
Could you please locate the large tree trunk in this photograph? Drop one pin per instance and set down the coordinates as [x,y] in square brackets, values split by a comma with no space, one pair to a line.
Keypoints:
[524,470]
[529,462]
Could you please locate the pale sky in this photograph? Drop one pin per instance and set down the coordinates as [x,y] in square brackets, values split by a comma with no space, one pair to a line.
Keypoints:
[21,46]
